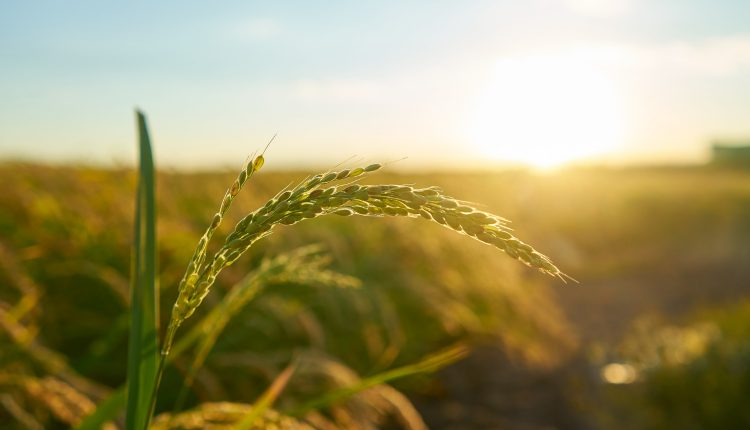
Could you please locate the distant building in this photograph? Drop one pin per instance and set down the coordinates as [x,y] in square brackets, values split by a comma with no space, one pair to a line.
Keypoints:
[731,154]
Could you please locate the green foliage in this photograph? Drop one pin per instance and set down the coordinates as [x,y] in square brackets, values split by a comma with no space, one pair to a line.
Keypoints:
[107,410]
[429,364]
[657,239]
[420,295]
[661,238]
[144,316]
[693,377]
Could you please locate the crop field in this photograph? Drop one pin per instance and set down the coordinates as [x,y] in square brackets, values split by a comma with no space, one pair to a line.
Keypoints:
[424,327]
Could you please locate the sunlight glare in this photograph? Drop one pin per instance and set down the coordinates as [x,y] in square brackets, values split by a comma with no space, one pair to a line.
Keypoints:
[548,110]
[619,373]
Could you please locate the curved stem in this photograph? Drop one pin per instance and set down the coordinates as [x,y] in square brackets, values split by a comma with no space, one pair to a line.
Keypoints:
[154,392]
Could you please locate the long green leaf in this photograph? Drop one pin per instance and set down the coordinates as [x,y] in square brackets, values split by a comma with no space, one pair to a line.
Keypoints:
[267,399]
[144,317]
[431,363]
[105,411]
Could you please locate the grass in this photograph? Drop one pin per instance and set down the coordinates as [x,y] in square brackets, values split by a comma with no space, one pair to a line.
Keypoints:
[329,193]
[666,240]
[143,371]
[332,192]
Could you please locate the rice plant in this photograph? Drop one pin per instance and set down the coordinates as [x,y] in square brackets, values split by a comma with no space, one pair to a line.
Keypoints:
[328,193]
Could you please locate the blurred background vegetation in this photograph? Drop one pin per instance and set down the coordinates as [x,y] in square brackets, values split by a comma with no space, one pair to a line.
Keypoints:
[656,335]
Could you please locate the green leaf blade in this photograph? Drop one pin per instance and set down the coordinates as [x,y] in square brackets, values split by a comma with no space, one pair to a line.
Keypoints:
[106,411]
[144,325]
[428,364]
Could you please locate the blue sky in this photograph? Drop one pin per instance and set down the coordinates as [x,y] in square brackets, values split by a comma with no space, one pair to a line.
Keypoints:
[442,83]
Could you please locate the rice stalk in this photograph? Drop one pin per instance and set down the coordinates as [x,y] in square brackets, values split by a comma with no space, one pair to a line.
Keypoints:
[187,284]
[333,194]
[304,265]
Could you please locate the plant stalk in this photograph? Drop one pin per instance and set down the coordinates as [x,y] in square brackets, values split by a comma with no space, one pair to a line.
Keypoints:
[154,392]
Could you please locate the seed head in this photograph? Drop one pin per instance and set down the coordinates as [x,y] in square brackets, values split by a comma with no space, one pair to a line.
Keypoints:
[343,212]
[351,189]
[216,221]
[360,210]
[285,195]
[311,199]
[235,188]
[481,218]
[258,162]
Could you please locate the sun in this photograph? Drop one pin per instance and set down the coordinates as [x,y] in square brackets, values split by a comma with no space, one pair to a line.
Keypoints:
[547,110]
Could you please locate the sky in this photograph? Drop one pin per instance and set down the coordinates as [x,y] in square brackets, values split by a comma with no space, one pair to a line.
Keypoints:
[439,83]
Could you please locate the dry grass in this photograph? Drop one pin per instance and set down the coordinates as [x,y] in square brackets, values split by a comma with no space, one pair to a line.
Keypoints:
[224,415]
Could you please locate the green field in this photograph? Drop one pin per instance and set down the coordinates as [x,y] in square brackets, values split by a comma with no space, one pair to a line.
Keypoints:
[656,251]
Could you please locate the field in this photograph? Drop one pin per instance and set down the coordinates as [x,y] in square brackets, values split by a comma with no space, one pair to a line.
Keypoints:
[660,254]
